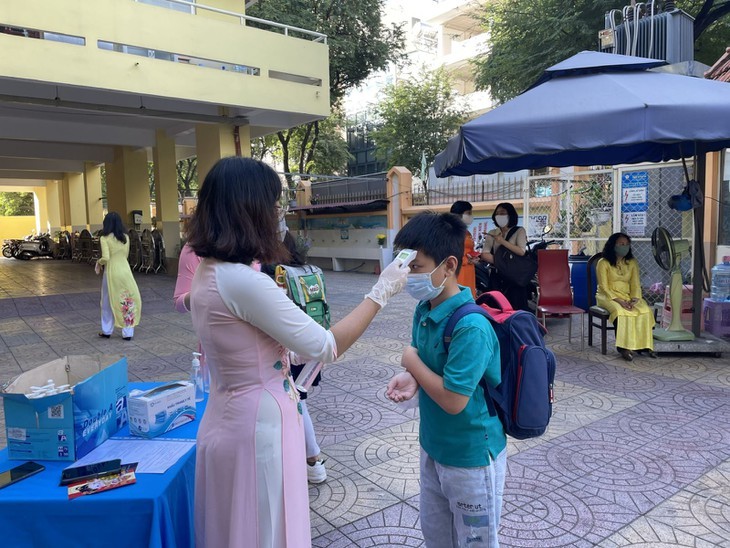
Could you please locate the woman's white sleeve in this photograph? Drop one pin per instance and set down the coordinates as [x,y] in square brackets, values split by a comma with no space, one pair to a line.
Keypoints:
[256,299]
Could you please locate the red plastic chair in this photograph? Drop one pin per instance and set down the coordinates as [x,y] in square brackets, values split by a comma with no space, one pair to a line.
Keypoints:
[555,297]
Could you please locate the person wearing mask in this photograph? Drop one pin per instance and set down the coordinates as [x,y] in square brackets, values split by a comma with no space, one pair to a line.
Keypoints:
[121,304]
[463,448]
[250,476]
[619,292]
[514,238]
[467,274]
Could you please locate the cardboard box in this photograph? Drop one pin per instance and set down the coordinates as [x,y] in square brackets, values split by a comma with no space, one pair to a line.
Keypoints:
[686,319]
[687,297]
[68,425]
[160,409]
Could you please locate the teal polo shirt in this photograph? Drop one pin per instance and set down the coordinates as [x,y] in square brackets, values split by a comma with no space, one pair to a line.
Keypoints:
[471,438]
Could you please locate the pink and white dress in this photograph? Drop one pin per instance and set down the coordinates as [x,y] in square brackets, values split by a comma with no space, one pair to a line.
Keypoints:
[250,477]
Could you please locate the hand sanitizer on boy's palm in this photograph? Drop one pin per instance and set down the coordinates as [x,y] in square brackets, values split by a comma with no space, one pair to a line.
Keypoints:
[196,377]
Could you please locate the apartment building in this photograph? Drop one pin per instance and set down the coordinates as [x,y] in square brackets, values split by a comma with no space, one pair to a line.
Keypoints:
[118,83]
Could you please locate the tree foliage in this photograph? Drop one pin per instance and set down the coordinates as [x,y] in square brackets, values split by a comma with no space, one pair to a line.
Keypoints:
[417,117]
[16,203]
[187,176]
[359,44]
[527,36]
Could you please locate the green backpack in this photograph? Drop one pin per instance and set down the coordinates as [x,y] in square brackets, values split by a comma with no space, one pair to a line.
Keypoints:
[305,285]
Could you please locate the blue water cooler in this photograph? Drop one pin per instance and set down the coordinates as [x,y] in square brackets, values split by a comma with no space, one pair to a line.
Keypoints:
[579,280]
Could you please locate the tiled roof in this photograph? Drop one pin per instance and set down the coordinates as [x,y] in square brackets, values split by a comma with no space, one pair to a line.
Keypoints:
[344,207]
[721,69]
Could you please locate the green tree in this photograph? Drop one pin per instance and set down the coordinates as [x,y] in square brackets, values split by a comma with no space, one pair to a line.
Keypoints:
[527,36]
[16,203]
[187,176]
[359,43]
[417,117]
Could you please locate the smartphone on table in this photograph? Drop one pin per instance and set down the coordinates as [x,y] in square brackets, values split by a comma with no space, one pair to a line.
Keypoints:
[18,473]
[89,471]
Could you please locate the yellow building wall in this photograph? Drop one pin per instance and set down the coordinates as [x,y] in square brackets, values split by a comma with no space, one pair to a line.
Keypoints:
[146,26]
[16,227]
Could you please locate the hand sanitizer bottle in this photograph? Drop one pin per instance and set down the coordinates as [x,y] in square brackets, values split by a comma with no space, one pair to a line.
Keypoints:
[196,377]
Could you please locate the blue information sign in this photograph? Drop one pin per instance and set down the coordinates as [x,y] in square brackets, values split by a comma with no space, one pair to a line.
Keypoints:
[635,191]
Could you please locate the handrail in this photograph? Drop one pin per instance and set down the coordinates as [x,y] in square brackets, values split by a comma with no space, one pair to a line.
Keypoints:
[318,36]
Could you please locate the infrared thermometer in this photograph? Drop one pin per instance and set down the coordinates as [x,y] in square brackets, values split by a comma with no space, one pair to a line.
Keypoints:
[405,257]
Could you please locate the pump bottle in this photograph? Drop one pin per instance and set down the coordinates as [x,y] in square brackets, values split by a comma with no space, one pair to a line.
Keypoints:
[196,377]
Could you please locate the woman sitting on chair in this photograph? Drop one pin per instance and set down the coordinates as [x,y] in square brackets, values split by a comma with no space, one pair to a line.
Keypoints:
[619,292]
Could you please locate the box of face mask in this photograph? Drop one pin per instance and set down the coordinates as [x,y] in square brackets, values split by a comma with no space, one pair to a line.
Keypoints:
[65,425]
[160,409]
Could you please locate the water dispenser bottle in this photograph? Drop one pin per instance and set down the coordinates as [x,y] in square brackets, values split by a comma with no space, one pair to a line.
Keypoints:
[720,290]
[196,377]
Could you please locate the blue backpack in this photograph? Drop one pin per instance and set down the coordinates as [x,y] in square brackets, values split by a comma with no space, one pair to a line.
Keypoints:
[523,401]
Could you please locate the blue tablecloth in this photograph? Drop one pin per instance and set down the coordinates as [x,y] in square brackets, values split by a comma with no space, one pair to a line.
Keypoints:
[157,511]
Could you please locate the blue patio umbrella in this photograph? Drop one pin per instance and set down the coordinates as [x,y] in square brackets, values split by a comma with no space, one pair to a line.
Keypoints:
[598,109]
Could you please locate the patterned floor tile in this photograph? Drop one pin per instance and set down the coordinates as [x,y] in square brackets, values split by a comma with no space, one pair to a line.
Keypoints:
[702,510]
[395,526]
[636,454]
[346,496]
[649,533]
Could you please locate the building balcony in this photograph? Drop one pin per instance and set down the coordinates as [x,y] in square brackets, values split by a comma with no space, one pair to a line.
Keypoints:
[194,62]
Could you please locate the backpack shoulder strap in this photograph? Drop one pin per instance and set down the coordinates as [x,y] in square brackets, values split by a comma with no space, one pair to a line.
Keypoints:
[511,232]
[464,310]
[295,290]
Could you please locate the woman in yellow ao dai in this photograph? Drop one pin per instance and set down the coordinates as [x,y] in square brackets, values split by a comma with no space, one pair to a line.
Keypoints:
[619,292]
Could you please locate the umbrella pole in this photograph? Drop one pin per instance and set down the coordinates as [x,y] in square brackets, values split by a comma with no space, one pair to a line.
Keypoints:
[698,247]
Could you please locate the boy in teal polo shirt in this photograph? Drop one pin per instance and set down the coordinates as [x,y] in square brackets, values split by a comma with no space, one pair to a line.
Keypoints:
[463,449]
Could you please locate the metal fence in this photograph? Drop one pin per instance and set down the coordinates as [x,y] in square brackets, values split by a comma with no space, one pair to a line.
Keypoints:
[350,189]
[471,189]
[585,207]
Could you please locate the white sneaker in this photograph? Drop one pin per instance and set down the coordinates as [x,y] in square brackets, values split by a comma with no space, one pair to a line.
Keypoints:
[316,472]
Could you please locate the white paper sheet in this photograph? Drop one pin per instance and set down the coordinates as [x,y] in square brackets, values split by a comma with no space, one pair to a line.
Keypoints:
[155,456]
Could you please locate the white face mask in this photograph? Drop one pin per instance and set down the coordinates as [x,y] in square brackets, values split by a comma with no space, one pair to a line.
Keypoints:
[420,286]
[282,230]
[468,218]
[501,220]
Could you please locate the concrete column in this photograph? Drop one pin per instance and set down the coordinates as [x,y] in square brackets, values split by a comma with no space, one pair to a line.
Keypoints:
[94,202]
[76,192]
[215,141]
[54,205]
[166,199]
[40,202]
[127,185]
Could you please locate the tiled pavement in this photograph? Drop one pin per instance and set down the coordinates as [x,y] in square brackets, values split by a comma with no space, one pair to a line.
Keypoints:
[638,454]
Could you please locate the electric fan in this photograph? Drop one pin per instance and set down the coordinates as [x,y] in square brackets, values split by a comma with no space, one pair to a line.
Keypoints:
[668,255]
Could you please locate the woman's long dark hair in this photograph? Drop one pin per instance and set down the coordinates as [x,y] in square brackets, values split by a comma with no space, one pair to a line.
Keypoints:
[290,243]
[113,225]
[609,251]
[235,220]
[511,213]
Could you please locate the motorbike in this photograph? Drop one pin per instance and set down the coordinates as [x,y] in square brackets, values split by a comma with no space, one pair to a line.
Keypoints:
[10,247]
[37,246]
[488,278]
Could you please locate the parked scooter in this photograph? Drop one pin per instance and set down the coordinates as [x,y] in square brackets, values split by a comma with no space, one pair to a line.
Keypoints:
[38,246]
[10,247]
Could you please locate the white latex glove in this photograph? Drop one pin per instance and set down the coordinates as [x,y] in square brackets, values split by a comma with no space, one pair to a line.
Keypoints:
[391,281]
[97,268]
